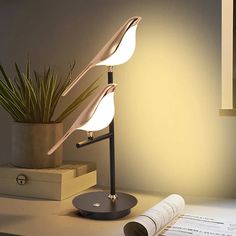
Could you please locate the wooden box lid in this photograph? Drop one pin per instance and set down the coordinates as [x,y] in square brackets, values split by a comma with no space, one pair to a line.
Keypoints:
[67,171]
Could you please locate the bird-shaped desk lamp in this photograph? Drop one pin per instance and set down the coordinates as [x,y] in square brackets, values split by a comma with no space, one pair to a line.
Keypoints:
[101,205]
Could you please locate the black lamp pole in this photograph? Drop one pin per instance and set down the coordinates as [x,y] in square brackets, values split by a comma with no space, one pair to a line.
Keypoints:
[112,146]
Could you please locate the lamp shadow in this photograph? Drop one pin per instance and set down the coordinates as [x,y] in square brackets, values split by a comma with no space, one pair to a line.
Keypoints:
[75,214]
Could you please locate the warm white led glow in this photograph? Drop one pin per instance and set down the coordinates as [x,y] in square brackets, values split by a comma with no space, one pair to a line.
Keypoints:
[125,50]
[103,114]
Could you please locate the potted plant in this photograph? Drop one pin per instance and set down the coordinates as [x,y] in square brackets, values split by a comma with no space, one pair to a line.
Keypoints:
[31,101]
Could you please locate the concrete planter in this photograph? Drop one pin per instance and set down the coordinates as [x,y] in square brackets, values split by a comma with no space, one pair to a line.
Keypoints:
[31,142]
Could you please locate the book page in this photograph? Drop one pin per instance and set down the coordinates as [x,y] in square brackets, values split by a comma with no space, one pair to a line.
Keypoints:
[194,225]
[154,219]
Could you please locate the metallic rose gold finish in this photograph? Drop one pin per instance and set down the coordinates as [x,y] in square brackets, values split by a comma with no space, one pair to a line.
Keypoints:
[90,135]
[75,81]
[85,115]
[114,42]
[108,50]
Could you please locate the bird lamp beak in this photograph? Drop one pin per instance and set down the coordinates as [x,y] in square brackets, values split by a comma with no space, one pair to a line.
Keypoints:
[136,20]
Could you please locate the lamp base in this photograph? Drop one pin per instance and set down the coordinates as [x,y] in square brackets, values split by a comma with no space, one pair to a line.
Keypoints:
[97,205]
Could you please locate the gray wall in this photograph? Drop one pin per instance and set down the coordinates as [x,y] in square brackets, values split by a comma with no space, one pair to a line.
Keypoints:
[169,136]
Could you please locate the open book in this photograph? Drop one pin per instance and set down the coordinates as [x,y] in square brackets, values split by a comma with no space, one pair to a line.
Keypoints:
[165,219]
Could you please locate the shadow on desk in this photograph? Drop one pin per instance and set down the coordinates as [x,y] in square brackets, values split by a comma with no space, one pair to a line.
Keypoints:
[76,214]
[10,219]
[6,234]
[26,198]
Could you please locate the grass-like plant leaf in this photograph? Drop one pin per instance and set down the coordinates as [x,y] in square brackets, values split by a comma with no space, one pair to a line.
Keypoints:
[86,93]
[33,99]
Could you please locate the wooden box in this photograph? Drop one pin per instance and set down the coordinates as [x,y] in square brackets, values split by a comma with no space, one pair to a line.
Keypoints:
[53,183]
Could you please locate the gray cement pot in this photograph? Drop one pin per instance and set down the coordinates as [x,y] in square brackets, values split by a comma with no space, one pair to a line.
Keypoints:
[31,142]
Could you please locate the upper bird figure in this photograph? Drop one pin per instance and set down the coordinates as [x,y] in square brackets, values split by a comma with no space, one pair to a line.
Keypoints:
[117,50]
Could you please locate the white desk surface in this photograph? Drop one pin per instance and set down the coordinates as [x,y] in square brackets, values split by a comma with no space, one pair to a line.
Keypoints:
[44,217]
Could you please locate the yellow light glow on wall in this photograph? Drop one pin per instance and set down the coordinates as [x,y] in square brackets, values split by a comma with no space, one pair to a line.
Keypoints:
[169,135]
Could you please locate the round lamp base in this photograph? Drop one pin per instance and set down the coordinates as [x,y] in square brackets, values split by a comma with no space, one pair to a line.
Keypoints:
[97,205]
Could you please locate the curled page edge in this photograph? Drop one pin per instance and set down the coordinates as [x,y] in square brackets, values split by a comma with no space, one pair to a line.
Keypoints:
[156,218]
